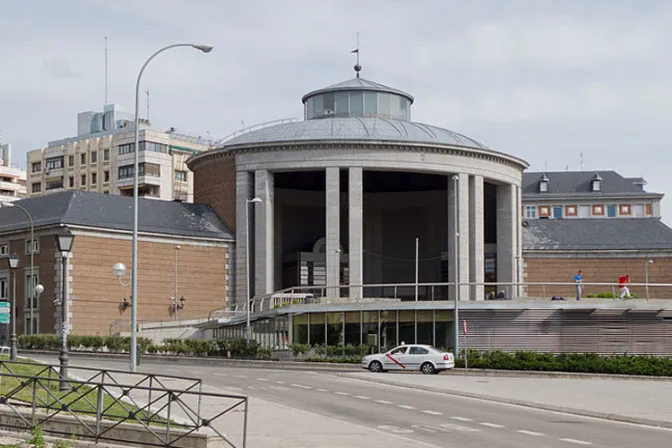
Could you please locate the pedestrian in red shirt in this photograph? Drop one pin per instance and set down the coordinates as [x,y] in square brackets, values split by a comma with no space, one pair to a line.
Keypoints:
[623,282]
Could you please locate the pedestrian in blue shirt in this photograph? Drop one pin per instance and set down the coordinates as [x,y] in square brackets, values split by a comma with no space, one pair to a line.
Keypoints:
[578,281]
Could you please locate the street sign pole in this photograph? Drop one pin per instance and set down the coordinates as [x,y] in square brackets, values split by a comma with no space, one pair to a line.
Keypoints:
[466,362]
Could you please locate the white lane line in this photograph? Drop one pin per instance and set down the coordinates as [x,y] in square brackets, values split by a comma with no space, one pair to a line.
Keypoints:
[342,393]
[263,379]
[448,427]
[384,402]
[362,397]
[280,382]
[221,374]
[576,442]
[433,412]
[196,372]
[322,390]
[241,376]
[491,425]
[425,428]
[301,386]
[530,433]
[405,406]
[463,419]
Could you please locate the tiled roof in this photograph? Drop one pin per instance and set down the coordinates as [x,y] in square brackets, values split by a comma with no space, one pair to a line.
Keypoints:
[88,209]
[597,234]
[572,183]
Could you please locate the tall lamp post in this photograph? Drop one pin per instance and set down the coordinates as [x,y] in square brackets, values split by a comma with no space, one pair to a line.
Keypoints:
[64,243]
[31,283]
[136,163]
[248,329]
[13,262]
[646,274]
[457,268]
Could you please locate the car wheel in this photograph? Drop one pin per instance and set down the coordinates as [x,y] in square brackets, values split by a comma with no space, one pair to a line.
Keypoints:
[376,367]
[427,368]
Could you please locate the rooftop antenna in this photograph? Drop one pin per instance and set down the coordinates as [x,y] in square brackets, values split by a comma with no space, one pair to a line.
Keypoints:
[105,104]
[545,166]
[147,93]
[358,68]
[566,167]
[581,161]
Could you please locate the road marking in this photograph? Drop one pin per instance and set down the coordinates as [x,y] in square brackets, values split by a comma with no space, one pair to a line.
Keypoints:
[342,393]
[405,406]
[463,419]
[453,427]
[301,386]
[425,428]
[530,433]
[362,397]
[384,402]
[196,372]
[221,374]
[577,442]
[433,412]
[280,382]
[278,388]
[263,379]
[491,425]
[395,429]
[322,390]
[241,376]
[252,387]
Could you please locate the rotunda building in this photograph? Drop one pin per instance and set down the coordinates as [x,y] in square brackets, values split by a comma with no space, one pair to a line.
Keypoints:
[357,199]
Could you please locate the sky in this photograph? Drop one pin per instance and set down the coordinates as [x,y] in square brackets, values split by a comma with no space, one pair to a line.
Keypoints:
[543,80]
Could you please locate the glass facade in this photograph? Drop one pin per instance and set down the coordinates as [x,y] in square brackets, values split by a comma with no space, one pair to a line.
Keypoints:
[358,103]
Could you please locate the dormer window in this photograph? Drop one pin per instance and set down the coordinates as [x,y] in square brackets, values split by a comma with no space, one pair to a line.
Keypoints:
[543,184]
[596,183]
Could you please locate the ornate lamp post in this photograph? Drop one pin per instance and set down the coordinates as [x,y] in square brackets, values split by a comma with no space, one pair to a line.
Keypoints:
[64,243]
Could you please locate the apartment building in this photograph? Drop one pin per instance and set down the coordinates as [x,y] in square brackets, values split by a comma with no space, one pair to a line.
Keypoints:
[101,159]
[12,179]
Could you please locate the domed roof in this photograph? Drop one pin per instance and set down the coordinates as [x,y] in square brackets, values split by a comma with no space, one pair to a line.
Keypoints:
[358,84]
[355,128]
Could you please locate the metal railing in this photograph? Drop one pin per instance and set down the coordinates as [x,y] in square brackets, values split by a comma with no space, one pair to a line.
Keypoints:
[167,415]
[434,292]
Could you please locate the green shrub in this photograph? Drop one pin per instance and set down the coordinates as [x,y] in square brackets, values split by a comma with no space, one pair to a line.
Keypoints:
[37,439]
[608,295]
[300,349]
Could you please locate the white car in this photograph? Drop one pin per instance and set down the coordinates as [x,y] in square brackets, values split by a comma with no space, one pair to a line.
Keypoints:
[425,358]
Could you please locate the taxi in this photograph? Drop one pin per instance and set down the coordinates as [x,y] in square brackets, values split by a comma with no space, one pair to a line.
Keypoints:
[425,358]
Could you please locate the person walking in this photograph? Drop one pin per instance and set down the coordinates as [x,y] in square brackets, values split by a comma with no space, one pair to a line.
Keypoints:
[623,282]
[578,281]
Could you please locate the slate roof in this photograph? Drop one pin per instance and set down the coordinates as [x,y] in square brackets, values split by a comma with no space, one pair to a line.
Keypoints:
[577,183]
[105,211]
[597,234]
[357,84]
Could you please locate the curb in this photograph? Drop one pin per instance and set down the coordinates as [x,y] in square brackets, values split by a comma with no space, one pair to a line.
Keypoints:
[523,403]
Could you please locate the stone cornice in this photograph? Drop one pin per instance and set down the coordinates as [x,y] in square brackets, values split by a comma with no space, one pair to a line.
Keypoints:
[460,151]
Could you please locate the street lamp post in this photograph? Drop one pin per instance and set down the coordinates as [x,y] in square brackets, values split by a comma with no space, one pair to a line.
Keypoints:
[248,329]
[136,164]
[646,274]
[31,283]
[177,248]
[456,262]
[13,261]
[64,244]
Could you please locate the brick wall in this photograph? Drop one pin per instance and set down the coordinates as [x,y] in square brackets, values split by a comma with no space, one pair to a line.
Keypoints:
[597,270]
[202,274]
[215,184]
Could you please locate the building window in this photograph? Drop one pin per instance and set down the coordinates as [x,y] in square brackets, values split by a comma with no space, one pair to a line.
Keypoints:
[648,210]
[611,211]
[557,212]
[543,186]
[596,184]
[35,329]
[146,169]
[570,210]
[36,187]
[4,249]
[54,163]
[180,176]
[126,149]
[106,192]
[94,157]
[598,210]
[83,180]
[544,211]
[584,211]
[36,246]
[82,159]
[106,155]
[37,167]
[94,178]
[530,211]
[625,209]
[54,184]
[4,288]
[107,176]
[35,301]
[638,210]
[144,146]
[71,160]
[71,181]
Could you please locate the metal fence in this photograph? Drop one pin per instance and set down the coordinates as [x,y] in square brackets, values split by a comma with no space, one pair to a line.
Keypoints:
[162,410]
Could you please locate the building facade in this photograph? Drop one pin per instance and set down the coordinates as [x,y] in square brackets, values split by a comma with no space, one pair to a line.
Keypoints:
[345,197]
[12,179]
[175,239]
[100,158]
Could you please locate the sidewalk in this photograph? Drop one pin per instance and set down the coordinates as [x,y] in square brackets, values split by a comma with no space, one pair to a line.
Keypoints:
[635,401]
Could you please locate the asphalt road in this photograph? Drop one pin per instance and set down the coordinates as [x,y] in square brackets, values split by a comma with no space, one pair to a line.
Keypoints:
[435,419]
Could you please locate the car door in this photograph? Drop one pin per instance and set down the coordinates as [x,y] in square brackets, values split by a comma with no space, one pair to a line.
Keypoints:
[415,356]
[392,359]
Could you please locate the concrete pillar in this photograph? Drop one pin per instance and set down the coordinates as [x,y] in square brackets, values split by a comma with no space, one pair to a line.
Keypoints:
[506,236]
[356,230]
[333,230]
[244,192]
[476,240]
[463,230]
[452,191]
[263,232]
[519,242]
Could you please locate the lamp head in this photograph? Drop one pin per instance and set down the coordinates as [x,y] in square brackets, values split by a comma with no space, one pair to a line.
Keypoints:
[13,260]
[650,261]
[205,48]
[255,200]
[39,289]
[119,270]
[64,241]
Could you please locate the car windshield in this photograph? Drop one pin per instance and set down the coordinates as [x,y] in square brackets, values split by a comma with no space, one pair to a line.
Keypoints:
[398,350]
[438,350]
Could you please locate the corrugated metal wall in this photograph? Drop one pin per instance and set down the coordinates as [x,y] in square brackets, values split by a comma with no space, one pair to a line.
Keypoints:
[599,331]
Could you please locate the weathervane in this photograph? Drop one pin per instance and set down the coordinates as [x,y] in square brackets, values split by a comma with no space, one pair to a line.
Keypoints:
[358,68]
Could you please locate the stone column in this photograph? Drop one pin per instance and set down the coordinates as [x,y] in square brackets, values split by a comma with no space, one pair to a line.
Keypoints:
[506,236]
[463,230]
[263,233]
[519,242]
[333,230]
[477,234]
[356,230]
[244,192]
[452,191]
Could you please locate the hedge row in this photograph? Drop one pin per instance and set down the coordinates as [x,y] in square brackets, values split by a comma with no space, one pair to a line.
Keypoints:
[237,348]
[340,351]
[569,362]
